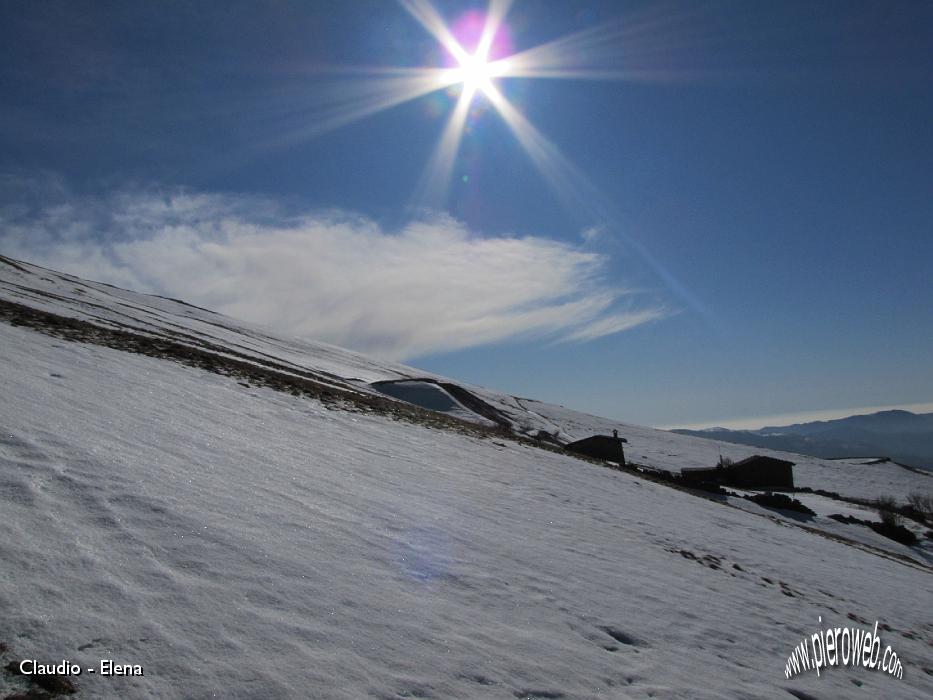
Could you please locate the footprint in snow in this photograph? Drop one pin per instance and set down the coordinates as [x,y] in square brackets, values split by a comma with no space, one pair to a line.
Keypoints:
[527,694]
[622,638]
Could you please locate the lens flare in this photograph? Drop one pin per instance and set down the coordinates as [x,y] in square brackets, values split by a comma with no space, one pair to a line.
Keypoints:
[478,57]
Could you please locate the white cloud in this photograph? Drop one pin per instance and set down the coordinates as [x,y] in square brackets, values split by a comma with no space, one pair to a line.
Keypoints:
[432,286]
[593,234]
[614,323]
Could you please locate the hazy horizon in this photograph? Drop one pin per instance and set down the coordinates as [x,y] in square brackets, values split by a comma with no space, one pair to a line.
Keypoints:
[783,419]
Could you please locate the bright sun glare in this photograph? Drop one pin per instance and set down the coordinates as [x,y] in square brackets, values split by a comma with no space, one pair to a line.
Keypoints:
[480,60]
[476,73]
[478,69]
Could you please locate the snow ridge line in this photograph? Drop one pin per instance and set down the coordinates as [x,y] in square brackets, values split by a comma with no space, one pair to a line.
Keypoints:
[283,379]
[160,331]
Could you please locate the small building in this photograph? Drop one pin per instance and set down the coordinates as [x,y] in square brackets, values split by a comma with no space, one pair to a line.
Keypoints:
[607,447]
[756,472]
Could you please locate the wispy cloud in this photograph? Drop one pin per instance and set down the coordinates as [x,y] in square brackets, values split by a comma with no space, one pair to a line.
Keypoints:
[431,286]
[614,323]
[593,234]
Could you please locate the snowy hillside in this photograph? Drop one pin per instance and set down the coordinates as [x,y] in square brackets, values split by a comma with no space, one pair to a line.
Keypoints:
[277,524]
[175,321]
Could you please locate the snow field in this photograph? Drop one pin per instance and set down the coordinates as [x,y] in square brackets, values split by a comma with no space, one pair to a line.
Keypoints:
[243,543]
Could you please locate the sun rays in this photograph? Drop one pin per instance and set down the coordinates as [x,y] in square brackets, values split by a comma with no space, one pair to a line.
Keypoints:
[477,70]
[474,63]
[479,56]
[477,61]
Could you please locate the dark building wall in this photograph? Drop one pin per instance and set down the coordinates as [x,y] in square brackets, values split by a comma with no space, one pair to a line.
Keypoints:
[600,447]
[755,472]
[762,472]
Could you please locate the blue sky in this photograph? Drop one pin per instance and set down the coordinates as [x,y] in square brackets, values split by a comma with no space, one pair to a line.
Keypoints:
[736,225]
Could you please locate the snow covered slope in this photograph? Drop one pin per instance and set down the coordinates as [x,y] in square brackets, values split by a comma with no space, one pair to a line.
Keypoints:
[661,449]
[176,321]
[239,541]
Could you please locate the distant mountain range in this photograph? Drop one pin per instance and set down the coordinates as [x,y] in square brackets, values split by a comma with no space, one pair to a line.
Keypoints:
[901,435]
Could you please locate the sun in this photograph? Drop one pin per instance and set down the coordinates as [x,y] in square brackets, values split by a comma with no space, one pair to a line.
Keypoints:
[476,73]
[479,59]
